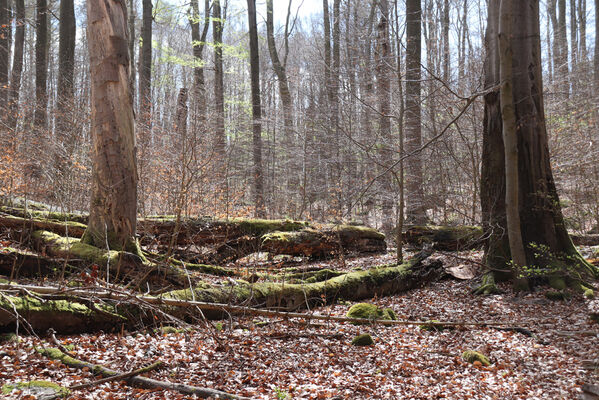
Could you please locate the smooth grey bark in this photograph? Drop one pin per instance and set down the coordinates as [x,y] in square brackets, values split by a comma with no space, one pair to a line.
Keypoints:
[259,211]
[198,43]
[383,72]
[41,65]
[66,68]
[17,65]
[509,134]
[415,206]
[4,54]
[541,219]
[219,100]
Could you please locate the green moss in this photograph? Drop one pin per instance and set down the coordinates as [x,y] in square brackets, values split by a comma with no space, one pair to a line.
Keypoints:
[556,295]
[9,338]
[166,330]
[487,286]
[471,356]
[370,311]
[589,293]
[31,304]
[349,231]
[434,325]
[557,283]
[32,385]
[206,269]
[362,340]
[262,226]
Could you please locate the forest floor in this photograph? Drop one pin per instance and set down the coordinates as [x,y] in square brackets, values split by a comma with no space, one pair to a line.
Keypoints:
[286,359]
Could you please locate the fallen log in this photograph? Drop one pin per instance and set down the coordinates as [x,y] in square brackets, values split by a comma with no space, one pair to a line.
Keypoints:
[30,213]
[215,301]
[206,230]
[237,310]
[445,238]
[138,381]
[328,241]
[17,262]
[63,228]
[122,265]
[584,240]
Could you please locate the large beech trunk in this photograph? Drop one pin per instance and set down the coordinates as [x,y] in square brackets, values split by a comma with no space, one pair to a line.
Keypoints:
[113,210]
[542,225]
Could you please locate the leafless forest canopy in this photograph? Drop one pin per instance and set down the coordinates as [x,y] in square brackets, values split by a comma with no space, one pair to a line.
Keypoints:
[349,116]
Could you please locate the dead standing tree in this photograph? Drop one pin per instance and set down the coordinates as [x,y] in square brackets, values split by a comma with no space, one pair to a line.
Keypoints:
[113,209]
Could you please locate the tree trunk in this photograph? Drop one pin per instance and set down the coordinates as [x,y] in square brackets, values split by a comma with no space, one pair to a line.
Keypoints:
[543,231]
[17,65]
[219,99]
[446,54]
[596,55]
[145,70]
[509,135]
[41,65]
[416,209]
[197,41]
[66,66]
[113,209]
[132,39]
[383,70]
[259,212]
[284,92]
[5,26]
[562,44]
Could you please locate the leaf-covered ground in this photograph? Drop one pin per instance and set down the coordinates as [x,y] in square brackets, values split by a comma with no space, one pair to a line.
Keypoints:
[292,360]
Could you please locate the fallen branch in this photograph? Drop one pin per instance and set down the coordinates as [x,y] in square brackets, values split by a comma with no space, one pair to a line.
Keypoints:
[119,377]
[139,381]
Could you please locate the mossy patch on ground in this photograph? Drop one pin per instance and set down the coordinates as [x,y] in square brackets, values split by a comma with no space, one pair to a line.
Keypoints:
[362,340]
[557,295]
[434,325]
[38,389]
[472,356]
[370,311]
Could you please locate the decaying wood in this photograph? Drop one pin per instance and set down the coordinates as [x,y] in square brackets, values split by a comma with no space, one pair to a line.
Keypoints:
[584,240]
[447,238]
[234,309]
[66,228]
[138,381]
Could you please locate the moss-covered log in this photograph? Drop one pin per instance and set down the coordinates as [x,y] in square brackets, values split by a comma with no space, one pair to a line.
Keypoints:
[45,214]
[355,285]
[64,228]
[584,240]
[445,238]
[123,265]
[329,240]
[206,231]
[66,316]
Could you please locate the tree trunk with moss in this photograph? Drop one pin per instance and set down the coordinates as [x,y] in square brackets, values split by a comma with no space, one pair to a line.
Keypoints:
[546,241]
[113,210]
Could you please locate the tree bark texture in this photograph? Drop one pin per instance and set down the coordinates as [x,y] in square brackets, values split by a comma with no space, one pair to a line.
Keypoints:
[4,53]
[17,64]
[198,43]
[260,211]
[541,219]
[416,209]
[41,64]
[113,210]
[219,99]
